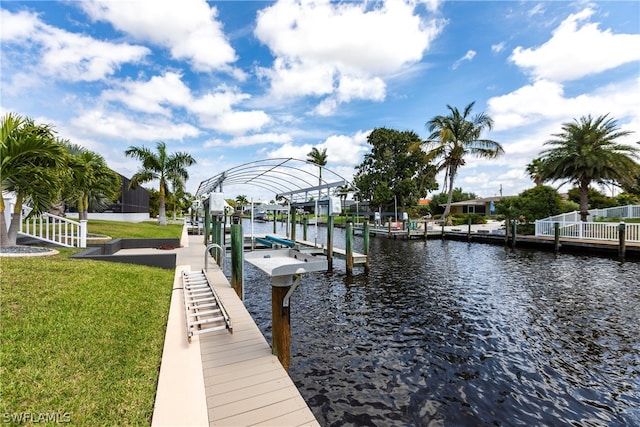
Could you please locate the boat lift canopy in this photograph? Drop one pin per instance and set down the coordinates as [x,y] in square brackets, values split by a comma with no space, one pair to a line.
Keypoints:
[292,179]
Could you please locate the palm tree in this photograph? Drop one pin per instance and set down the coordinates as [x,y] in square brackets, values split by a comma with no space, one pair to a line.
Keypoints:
[242,201]
[319,158]
[160,166]
[534,169]
[91,182]
[455,136]
[586,151]
[32,161]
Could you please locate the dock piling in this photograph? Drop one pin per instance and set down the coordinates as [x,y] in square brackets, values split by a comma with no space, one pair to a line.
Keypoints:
[237,243]
[348,235]
[622,240]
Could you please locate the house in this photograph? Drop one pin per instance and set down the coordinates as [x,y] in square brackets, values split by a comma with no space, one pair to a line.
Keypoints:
[480,206]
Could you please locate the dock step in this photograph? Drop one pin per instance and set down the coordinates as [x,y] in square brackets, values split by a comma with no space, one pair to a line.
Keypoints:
[203,308]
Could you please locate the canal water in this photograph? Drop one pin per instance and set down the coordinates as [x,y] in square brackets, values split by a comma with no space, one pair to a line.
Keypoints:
[456,334]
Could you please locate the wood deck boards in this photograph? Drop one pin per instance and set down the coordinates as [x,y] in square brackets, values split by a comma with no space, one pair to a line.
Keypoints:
[244,383]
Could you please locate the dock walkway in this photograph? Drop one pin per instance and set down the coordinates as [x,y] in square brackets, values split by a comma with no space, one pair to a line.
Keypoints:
[222,379]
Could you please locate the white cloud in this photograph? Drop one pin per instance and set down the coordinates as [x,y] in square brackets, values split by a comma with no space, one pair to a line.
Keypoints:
[123,127]
[150,96]
[65,55]
[545,100]
[467,57]
[237,122]
[321,47]
[498,47]
[576,51]
[189,28]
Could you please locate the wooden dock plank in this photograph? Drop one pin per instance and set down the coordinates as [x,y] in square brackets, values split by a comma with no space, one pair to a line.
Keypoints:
[244,383]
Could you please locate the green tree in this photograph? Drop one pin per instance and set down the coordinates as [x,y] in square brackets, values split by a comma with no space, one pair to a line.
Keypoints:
[242,201]
[585,151]
[89,183]
[31,163]
[318,157]
[597,200]
[161,166]
[538,202]
[456,136]
[535,169]
[395,168]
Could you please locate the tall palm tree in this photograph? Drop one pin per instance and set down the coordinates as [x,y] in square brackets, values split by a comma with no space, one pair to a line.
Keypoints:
[32,161]
[585,151]
[455,136]
[160,166]
[318,157]
[534,169]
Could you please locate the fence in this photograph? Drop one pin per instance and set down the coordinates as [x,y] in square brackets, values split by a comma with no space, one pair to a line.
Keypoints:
[56,229]
[588,230]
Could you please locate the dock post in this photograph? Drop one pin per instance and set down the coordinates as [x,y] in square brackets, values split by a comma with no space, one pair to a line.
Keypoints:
[556,236]
[469,228]
[293,223]
[329,243]
[514,230]
[207,225]
[365,226]
[389,236]
[621,238]
[237,243]
[280,320]
[348,237]
[305,223]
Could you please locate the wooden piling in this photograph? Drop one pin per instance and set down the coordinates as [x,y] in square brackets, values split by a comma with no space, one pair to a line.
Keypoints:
[366,244]
[556,236]
[281,325]
[305,224]
[348,236]
[514,229]
[237,247]
[292,211]
[329,242]
[469,229]
[622,247]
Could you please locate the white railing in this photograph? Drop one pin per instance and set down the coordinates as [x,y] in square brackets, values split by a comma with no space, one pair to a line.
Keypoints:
[629,211]
[56,229]
[621,212]
[588,230]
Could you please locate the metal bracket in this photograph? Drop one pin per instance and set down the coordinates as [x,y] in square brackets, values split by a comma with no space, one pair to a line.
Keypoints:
[294,285]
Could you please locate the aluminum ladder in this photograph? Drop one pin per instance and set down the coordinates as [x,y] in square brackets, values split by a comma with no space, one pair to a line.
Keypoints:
[203,308]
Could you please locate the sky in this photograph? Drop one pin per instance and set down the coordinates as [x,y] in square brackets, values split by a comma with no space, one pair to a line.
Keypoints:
[232,82]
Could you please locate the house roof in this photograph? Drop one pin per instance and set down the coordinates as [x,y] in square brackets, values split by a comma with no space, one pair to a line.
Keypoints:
[476,202]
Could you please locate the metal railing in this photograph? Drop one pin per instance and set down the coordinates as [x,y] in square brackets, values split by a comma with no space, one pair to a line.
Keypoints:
[55,229]
[588,230]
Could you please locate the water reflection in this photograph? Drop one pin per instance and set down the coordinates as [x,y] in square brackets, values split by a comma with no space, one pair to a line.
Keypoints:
[450,333]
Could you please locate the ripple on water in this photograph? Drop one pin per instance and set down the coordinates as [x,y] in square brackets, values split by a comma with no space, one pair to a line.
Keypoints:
[450,333]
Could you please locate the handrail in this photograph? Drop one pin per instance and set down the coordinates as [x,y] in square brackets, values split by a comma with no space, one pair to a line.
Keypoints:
[588,230]
[206,255]
[56,229]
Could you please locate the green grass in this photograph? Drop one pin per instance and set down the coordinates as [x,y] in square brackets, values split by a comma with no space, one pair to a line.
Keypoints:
[81,338]
[147,229]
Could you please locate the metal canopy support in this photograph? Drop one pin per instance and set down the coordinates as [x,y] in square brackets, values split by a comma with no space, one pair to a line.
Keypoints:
[290,178]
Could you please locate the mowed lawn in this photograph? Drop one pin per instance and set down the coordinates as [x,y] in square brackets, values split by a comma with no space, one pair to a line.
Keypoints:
[81,340]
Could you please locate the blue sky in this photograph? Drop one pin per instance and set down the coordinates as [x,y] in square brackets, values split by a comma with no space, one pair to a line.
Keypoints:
[235,81]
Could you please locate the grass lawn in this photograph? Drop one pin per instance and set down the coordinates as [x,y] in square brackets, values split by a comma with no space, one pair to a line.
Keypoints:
[82,339]
[146,229]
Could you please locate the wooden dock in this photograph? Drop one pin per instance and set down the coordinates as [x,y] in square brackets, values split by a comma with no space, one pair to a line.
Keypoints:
[245,384]
[221,379]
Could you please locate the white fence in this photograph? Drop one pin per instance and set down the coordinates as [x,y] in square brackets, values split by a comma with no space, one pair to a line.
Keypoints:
[588,230]
[56,229]
[619,212]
